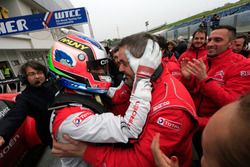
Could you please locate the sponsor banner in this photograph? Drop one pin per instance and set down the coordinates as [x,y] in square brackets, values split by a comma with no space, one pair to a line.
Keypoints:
[41,21]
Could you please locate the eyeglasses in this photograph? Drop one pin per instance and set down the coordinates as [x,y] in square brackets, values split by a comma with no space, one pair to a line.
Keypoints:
[33,74]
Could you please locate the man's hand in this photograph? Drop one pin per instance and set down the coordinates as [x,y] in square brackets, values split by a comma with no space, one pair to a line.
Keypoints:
[73,148]
[186,73]
[161,160]
[146,65]
[2,141]
[198,69]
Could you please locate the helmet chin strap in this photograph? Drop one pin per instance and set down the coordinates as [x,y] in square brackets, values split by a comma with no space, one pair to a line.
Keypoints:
[157,73]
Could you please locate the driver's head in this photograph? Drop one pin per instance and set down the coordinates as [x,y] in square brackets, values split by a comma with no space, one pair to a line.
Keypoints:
[81,64]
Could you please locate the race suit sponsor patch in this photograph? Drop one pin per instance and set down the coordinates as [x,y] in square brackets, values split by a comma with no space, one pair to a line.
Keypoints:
[134,113]
[168,123]
[80,118]
[244,73]
[161,105]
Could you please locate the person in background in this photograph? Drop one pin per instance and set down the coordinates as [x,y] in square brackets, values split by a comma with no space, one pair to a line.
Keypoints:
[203,24]
[116,75]
[170,58]
[227,146]
[219,79]
[171,52]
[214,21]
[181,45]
[7,72]
[33,101]
[240,45]
[171,62]
[172,115]
[198,47]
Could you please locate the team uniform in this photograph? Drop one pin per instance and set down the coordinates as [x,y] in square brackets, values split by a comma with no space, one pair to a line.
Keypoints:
[173,66]
[172,115]
[194,53]
[228,79]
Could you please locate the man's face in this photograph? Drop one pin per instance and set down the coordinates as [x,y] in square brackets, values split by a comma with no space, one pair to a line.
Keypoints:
[216,134]
[170,47]
[123,64]
[199,40]
[238,45]
[34,77]
[218,42]
[115,57]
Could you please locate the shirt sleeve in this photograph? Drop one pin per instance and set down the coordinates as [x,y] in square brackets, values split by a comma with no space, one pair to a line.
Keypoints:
[108,128]
[237,83]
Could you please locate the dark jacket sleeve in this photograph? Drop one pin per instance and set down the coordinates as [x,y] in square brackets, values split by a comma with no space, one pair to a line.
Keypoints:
[14,118]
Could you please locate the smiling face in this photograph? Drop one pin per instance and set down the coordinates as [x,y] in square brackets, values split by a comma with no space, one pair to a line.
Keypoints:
[218,42]
[199,39]
[123,63]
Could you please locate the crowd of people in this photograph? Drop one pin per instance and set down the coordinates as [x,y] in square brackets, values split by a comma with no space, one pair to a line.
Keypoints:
[165,97]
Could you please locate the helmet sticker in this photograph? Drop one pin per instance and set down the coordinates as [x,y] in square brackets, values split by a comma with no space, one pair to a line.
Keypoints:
[93,42]
[73,44]
[64,58]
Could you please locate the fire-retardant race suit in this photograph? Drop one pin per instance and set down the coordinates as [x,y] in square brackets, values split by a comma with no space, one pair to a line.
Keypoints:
[81,122]
[172,115]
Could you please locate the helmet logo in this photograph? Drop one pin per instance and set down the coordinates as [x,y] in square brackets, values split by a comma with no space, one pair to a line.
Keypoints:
[63,58]
[81,57]
[104,61]
[73,44]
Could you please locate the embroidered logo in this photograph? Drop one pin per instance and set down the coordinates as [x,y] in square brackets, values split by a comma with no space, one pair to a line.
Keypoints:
[168,123]
[244,73]
[219,76]
[80,118]
[163,104]
[134,113]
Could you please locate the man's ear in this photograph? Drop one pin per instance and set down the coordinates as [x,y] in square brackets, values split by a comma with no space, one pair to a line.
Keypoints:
[230,44]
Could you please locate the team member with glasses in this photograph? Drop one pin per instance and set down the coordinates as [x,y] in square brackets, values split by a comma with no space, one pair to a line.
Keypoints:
[33,101]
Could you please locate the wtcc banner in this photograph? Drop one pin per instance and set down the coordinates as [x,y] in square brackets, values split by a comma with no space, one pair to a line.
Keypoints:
[46,20]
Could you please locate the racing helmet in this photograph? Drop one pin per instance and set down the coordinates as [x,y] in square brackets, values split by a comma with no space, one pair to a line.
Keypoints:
[80,63]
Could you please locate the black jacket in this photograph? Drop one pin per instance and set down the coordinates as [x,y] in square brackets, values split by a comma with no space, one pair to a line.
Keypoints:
[34,102]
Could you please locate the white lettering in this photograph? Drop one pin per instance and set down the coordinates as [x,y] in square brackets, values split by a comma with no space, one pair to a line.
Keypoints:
[6,149]
[21,25]
[4,112]
[103,62]
[13,26]
[2,28]
[67,14]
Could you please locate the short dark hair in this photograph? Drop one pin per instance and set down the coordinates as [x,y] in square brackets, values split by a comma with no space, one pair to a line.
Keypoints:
[231,30]
[35,65]
[136,43]
[161,41]
[245,37]
[200,30]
